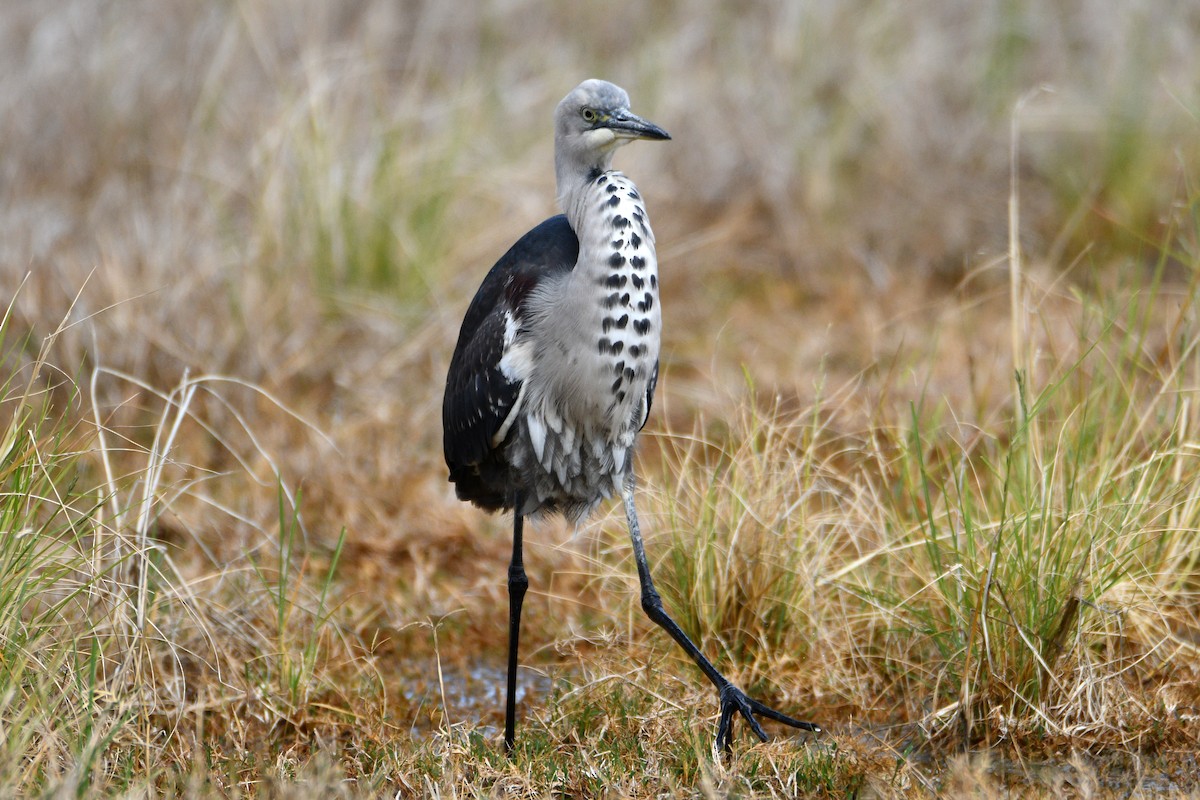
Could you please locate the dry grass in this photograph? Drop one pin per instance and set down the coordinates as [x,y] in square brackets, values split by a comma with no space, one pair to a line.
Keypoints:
[236,241]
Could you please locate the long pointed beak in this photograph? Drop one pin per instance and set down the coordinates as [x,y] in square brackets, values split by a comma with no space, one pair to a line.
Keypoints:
[627,125]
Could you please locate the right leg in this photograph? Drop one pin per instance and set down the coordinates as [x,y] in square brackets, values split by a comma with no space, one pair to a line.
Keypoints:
[732,699]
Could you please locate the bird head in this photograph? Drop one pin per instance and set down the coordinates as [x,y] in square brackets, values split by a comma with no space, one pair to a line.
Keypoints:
[592,122]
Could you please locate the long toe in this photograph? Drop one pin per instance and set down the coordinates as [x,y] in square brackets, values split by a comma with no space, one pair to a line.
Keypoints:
[734,701]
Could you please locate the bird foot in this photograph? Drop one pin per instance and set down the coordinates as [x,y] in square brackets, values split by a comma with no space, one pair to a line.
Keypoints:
[734,700]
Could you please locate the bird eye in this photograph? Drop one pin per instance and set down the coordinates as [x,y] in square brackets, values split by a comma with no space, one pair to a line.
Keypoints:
[589,115]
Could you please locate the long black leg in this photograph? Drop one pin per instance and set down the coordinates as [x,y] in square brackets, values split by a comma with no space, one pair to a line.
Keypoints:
[517,584]
[732,698]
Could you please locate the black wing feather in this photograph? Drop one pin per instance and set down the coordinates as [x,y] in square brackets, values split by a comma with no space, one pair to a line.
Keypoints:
[650,387]
[478,396]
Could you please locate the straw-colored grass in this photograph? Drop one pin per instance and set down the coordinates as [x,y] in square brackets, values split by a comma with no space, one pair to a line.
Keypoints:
[922,466]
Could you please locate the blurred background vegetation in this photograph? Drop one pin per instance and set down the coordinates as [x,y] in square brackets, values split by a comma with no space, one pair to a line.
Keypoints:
[236,239]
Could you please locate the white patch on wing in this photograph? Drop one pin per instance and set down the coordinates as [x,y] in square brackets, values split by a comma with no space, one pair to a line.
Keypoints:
[517,361]
[511,326]
[502,433]
[516,364]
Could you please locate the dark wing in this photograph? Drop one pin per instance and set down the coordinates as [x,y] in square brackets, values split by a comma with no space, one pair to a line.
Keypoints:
[478,396]
[650,386]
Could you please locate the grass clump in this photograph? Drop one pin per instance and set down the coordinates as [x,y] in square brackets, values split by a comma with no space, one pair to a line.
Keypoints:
[750,507]
[57,717]
[1028,554]
[115,671]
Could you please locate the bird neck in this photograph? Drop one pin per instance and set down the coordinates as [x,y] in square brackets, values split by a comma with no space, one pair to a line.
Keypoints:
[574,177]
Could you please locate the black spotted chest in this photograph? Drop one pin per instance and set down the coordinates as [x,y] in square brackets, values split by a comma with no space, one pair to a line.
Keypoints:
[627,342]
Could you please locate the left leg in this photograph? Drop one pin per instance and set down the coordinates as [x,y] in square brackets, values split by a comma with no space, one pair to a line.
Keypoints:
[732,698]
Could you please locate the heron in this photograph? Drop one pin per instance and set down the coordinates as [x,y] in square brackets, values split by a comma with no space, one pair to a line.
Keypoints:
[556,364]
